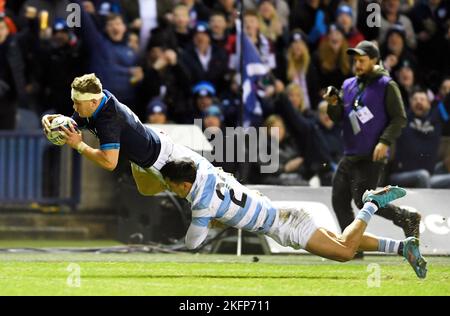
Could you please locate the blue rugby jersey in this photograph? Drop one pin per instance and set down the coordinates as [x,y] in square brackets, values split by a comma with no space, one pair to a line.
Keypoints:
[117,127]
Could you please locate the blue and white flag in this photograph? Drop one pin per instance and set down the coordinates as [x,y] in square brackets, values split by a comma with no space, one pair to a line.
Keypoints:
[253,70]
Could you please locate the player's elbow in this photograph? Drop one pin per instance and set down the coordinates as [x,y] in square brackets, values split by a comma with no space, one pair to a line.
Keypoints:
[110,166]
[191,244]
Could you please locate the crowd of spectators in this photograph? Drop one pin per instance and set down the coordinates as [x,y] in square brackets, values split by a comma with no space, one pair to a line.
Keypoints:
[173,61]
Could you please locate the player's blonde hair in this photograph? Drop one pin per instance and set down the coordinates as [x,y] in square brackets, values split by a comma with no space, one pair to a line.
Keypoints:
[87,84]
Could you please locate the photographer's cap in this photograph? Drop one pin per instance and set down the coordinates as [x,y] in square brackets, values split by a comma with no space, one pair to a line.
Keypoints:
[365,48]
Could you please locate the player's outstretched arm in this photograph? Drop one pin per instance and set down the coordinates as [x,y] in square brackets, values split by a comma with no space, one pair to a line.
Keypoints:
[107,159]
[197,232]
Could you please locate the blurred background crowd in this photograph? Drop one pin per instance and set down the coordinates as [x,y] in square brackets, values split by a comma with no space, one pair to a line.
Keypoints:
[175,61]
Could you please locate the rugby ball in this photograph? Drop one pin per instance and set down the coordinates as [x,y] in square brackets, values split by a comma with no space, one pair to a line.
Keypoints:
[56,134]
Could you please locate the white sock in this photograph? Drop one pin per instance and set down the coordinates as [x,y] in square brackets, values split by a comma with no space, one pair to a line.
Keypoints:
[388,245]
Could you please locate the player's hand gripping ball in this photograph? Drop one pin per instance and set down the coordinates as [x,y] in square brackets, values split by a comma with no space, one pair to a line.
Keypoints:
[56,133]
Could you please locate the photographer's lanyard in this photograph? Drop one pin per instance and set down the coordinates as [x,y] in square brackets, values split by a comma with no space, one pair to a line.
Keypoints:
[357,101]
[360,112]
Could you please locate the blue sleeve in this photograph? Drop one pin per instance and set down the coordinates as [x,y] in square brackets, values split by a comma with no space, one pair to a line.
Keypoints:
[90,34]
[320,27]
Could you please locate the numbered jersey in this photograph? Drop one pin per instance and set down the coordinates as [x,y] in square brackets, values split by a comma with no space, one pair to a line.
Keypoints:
[116,126]
[217,195]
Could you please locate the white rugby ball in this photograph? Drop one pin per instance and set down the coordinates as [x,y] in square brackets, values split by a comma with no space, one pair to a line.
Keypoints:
[56,134]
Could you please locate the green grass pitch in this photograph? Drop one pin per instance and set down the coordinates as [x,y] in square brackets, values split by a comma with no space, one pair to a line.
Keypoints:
[209,275]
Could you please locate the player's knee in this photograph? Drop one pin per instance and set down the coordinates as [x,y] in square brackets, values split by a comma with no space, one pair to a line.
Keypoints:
[143,190]
[346,255]
[348,251]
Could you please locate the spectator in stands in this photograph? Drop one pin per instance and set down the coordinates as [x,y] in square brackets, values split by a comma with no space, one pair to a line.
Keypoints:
[219,31]
[394,51]
[290,159]
[55,8]
[430,20]
[204,93]
[301,70]
[13,7]
[156,112]
[181,27]
[9,15]
[198,12]
[213,117]
[310,18]
[228,9]
[12,77]
[307,136]
[167,78]
[213,125]
[59,60]
[331,58]
[269,22]
[441,177]
[297,98]
[206,62]
[443,103]
[390,16]
[417,148]
[332,133]
[143,16]
[405,78]
[133,42]
[110,57]
[344,20]
[231,102]
[354,6]
[281,7]
[264,45]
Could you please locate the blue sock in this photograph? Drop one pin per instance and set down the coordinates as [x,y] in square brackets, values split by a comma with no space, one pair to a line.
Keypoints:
[388,245]
[366,213]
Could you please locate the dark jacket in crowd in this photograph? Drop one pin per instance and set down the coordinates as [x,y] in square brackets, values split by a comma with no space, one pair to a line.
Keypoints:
[307,135]
[333,141]
[431,53]
[12,82]
[217,68]
[444,111]
[130,9]
[55,8]
[287,150]
[59,64]
[176,91]
[417,147]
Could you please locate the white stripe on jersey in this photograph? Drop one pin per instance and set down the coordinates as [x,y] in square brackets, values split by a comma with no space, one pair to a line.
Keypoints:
[201,213]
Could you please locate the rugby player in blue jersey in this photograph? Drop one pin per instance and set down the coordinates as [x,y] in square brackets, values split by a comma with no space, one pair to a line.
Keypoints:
[119,129]
[217,196]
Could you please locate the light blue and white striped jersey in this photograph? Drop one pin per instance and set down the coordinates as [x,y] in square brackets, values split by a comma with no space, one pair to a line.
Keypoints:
[218,195]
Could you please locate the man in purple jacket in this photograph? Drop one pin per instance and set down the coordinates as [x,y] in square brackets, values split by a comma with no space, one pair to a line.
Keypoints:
[372,113]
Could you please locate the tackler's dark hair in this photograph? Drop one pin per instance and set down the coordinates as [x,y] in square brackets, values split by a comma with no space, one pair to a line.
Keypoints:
[179,171]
